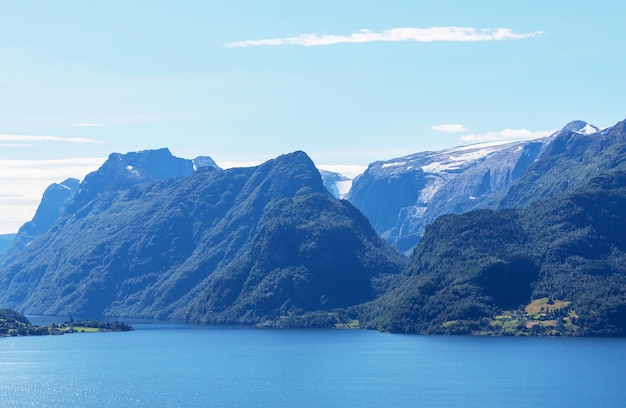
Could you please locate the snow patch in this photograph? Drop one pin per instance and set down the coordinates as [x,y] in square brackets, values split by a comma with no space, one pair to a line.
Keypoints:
[484,145]
[587,130]
[344,187]
[132,170]
[394,164]
[455,162]
[430,189]
[438,167]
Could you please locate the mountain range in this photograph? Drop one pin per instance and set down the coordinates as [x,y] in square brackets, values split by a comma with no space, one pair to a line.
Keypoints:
[402,196]
[245,245]
[479,272]
[504,238]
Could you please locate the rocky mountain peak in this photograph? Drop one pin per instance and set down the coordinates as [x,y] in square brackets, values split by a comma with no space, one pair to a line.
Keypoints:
[204,161]
[121,171]
[580,127]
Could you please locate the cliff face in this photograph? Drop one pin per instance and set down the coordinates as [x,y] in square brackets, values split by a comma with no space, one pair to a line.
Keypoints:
[402,196]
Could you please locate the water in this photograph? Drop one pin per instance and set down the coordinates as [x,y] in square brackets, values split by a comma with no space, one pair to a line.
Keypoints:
[165,365]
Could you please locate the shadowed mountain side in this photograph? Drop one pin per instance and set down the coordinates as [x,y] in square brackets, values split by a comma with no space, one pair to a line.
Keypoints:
[470,268]
[234,246]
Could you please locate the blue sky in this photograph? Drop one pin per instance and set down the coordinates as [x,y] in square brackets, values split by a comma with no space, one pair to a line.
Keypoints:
[349,82]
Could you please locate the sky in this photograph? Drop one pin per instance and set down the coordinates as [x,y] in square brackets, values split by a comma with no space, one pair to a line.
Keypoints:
[348,82]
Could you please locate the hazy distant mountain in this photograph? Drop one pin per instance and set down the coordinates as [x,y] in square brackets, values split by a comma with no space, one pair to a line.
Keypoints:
[244,245]
[337,184]
[204,161]
[5,242]
[121,171]
[52,204]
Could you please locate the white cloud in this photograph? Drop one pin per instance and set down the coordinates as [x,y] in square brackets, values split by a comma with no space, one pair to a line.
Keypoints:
[412,34]
[24,181]
[449,128]
[506,134]
[34,138]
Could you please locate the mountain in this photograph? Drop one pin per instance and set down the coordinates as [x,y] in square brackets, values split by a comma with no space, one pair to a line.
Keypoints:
[5,242]
[54,199]
[337,184]
[576,154]
[555,267]
[121,171]
[204,161]
[146,236]
[401,196]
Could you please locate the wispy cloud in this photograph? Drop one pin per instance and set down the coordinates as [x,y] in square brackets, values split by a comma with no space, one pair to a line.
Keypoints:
[411,34]
[449,128]
[506,134]
[35,138]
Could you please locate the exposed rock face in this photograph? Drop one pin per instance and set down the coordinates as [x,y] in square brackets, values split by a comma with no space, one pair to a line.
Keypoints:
[402,196]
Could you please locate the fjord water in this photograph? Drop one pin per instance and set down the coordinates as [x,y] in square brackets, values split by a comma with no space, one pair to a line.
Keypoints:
[168,365]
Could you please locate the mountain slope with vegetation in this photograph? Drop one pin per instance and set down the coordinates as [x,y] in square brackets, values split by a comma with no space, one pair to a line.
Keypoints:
[480,272]
[571,159]
[246,245]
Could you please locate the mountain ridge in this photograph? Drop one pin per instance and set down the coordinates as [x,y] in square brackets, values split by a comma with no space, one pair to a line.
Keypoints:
[473,271]
[153,248]
[402,196]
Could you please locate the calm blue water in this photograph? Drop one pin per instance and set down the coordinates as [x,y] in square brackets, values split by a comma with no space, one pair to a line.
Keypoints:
[185,366]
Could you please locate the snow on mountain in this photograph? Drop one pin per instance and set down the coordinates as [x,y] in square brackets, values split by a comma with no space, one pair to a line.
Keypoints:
[204,161]
[336,183]
[588,130]
[580,127]
[401,196]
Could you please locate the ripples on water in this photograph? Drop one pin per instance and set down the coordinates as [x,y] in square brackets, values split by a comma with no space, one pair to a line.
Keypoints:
[181,366]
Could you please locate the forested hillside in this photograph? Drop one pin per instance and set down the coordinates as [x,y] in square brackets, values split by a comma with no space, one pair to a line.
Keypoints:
[247,245]
[479,272]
